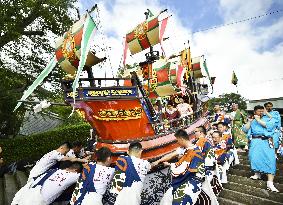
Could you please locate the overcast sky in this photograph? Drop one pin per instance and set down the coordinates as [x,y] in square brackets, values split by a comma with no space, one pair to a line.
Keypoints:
[253,49]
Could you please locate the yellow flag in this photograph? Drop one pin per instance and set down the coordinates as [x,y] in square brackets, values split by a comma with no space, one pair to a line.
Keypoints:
[186,61]
[234,78]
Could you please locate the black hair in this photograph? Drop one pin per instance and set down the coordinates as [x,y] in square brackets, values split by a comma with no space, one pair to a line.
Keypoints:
[135,146]
[257,107]
[77,166]
[65,164]
[66,144]
[268,103]
[77,144]
[202,129]
[217,133]
[182,134]
[102,154]
[222,123]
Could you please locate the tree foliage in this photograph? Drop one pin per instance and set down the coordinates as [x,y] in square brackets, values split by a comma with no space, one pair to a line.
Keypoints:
[29,29]
[226,101]
[11,87]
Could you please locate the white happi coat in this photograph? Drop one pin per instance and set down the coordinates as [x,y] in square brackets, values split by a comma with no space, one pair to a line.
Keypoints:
[45,163]
[51,189]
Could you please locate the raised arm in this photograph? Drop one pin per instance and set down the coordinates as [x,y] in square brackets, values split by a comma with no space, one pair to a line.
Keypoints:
[166,158]
[261,122]
[190,110]
[247,126]
[73,159]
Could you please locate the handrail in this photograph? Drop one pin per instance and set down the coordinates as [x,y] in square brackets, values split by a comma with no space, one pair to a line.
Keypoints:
[162,127]
[87,79]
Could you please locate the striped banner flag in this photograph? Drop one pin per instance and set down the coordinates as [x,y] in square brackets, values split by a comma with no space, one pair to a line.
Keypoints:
[196,71]
[144,35]
[88,33]
[206,70]
[36,83]
[69,46]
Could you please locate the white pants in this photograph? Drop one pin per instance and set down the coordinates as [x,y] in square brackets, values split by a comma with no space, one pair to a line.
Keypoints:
[33,197]
[221,172]
[92,198]
[167,199]
[236,157]
[130,195]
[206,187]
[23,192]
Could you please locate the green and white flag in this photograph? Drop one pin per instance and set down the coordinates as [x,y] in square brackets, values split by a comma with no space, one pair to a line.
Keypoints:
[206,70]
[39,80]
[88,33]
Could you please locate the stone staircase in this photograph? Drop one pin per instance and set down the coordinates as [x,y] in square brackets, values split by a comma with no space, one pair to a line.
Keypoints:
[240,189]
[243,190]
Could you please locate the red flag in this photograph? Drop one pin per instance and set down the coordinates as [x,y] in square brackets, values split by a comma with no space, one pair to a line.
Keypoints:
[183,90]
[162,30]
[180,74]
[125,52]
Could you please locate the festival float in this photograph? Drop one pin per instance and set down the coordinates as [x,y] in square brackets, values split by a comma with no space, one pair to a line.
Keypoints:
[120,108]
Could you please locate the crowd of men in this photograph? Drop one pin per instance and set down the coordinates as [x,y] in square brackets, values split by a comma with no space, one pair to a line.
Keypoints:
[200,168]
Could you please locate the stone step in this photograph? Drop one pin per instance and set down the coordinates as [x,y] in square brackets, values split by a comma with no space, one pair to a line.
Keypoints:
[1,191]
[242,153]
[10,186]
[279,172]
[223,201]
[246,198]
[248,174]
[253,183]
[21,178]
[263,193]
[243,156]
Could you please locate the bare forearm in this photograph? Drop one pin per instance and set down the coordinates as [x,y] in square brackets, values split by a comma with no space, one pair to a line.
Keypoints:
[73,159]
[261,122]
[167,157]
[248,125]
[268,114]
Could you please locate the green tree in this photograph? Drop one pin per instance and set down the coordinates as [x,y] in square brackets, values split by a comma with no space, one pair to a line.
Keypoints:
[226,101]
[29,28]
[11,87]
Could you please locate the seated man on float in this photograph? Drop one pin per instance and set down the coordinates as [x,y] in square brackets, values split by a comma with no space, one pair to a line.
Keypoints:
[188,174]
[219,116]
[47,187]
[172,113]
[94,179]
[130,171]
[230,148]
[185,110]
[220,149]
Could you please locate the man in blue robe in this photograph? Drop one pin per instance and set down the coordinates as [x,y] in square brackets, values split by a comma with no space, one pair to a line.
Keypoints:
[261,151]
[94,179]
[130,172]
[270,113]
